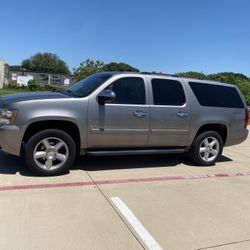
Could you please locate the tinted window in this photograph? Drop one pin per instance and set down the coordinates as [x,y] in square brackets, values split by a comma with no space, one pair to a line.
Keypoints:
[216,95]
[168,92]
[129,90]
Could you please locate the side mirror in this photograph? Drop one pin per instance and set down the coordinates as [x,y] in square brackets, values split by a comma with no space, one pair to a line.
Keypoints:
[106,96]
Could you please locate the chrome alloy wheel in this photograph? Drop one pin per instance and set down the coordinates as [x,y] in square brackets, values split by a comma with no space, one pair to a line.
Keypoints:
[51,153]
[209,149]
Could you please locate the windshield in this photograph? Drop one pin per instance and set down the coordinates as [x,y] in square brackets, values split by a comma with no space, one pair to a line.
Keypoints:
[87,85]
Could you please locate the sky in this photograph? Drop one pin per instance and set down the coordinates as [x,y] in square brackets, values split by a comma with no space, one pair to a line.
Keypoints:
[167,36]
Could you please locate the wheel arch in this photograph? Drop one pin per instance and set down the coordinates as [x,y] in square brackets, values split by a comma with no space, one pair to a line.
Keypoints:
[68,127]
[220,128]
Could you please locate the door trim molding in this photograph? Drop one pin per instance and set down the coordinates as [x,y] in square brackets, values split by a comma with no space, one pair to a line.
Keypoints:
[118,131]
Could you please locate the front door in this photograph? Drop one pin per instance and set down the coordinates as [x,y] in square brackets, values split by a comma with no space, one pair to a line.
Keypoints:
[124,122]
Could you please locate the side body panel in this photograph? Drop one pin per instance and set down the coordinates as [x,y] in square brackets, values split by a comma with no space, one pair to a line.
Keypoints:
[232,118]
[69,109]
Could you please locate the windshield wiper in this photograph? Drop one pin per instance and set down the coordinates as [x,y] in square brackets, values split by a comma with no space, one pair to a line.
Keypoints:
[69,93]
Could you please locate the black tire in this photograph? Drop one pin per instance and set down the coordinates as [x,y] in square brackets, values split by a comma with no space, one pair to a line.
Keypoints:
[194,151]
[37,138]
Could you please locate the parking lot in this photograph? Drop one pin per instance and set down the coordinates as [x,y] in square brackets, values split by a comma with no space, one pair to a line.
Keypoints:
[180,206]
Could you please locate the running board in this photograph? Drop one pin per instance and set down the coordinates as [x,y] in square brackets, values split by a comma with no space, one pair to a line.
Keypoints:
[132,152]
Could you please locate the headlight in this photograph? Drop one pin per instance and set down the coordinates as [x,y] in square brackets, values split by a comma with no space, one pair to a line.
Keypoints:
[8,117]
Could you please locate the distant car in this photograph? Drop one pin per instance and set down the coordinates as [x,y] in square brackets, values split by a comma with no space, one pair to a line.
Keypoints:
[248,108]
[116,113]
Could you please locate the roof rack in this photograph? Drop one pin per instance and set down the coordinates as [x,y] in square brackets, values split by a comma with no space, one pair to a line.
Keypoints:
[155,73]
[164,74]
[172,75]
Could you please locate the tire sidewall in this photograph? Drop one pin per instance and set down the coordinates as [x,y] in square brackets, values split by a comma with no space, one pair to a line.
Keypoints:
[195,149]
[36,138]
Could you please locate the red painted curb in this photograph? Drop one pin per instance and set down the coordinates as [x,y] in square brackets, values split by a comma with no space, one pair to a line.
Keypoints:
[40,186]
[120,181]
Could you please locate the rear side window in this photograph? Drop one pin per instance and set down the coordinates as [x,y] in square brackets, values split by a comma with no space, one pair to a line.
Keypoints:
[216,96]
[168,92]
[129,90]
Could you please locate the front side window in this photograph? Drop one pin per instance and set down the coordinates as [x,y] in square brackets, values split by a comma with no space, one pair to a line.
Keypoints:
[168,92]
[129,90]
[89,84]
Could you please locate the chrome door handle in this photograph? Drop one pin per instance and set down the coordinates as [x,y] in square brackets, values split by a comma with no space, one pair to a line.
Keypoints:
[140,114]
[182,114]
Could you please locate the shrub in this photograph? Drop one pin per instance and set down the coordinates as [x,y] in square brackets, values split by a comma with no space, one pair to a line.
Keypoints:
[13,86]
[32,85]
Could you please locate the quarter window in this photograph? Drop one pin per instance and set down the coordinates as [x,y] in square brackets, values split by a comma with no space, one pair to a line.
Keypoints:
[168,92]
[216,96]
[129,90]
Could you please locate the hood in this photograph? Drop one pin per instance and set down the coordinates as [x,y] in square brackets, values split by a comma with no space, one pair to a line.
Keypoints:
[12,98]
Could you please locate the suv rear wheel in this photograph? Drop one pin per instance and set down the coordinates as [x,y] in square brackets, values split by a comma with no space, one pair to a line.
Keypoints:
[50,152]
[206,148]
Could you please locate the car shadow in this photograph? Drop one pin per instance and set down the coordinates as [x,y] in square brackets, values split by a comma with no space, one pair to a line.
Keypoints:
[11,165]
[90,163]
[97,163]
[224,158]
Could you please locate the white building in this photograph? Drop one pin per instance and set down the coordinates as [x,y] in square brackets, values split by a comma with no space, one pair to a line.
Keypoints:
[4,73]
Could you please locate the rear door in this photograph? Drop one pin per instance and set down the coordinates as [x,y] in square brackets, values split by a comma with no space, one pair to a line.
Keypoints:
[169,113]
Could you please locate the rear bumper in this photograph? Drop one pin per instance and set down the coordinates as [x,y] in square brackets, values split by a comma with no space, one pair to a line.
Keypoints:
[11,139]
[236,136]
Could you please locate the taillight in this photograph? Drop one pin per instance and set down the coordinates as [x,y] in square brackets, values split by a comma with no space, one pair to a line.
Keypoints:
[246,118]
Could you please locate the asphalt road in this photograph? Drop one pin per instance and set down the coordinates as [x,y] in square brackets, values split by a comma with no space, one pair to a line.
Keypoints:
[128,202]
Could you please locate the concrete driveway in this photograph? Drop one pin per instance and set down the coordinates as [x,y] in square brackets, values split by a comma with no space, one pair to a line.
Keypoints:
[128,202]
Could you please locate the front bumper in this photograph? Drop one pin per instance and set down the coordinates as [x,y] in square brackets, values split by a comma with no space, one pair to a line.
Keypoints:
[11,139]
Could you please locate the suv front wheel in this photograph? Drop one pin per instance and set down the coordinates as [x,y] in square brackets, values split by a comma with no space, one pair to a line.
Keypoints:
[206,148]
[50,152]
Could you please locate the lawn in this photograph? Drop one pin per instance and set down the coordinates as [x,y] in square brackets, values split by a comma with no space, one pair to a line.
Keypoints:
[12,91]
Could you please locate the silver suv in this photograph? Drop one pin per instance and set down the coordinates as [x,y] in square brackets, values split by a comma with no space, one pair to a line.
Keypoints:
[116,113]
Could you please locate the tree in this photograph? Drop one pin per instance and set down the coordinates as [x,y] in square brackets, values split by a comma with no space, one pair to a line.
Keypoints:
[119,67]
[15,68]
[88,68]
[245,89]
[192,74]
[228,77]
[47,63]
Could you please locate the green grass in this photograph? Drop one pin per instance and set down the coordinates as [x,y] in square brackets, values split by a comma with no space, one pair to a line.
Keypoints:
[12,91]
